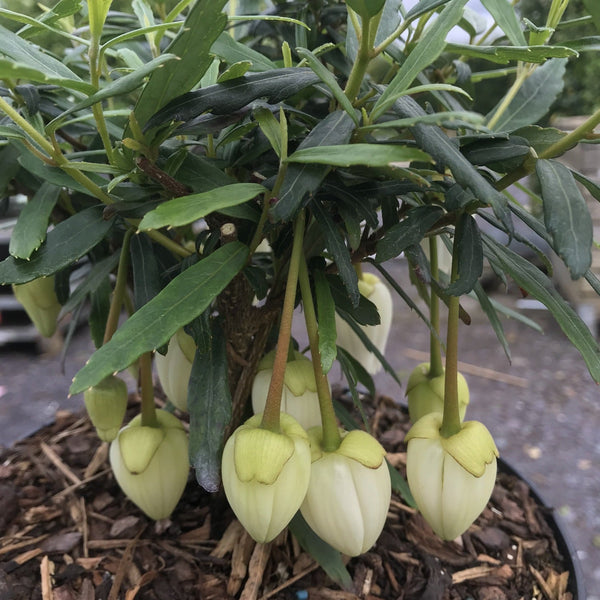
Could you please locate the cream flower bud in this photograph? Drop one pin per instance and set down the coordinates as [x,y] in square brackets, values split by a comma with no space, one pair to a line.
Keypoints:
[151,464]
[372,288]
[265,475]
[175,367]
[106,404]
[426,394]
[299,397]
[451,479]
[349,492]
[40,303]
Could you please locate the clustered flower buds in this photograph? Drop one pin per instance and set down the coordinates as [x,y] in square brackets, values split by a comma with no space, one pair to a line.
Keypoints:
[299,396]
[425,394]
[451,479]
[151,464]
[349,492]
[265,475]
[175,367]
[106,404]
[40,303]
[372,288]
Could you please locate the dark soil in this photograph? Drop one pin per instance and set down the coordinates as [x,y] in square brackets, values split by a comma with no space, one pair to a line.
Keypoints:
[67,533]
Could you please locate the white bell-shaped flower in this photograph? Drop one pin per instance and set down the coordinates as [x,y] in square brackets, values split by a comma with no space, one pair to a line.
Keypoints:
[106,404]
[40,303]
[151,464]
[265,475]
[349,492]
[299,395]
[451,479]
[372,288]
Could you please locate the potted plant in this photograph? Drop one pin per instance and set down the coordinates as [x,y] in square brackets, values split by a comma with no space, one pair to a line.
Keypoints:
[210,166]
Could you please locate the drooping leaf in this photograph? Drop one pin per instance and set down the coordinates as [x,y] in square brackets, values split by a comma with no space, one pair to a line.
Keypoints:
[31,227]
[500,155]
[232,51]
[145,268]
[355,373]
[99,309]
[181,301]
[467,242]
[423,7]
[370,155]
[505,54]
[270,127]
[65,244]
[326,319]
[540,138]
[566,216]
[186,209]
[506,18]
[234,71]
[209,403]
[591,186]
[492,315]
[365,313]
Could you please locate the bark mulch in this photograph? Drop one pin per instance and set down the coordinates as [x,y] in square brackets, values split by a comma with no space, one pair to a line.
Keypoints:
[68,533]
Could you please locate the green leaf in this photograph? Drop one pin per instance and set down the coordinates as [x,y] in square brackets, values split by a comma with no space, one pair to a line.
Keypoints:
[400,485]
[203,24]
[236,70]
[366,8]
[492,315]
[506,18]
[411,230]
[99,310]
[64,244]
[227,97]
[540,138]
[209,404]
[326,319]
[501,155]
[370,155]
[365,313]
[184,210]
[32,224]
[467,242]
[533,281]
[97,11]
[354,373]
[329,558]
[232,51]
[301,181]
[534,98]
[427,50]
[591,186]
[593,9]
[423,7]
[146,271]
[585,44]
[566,216]
[505,54]
[269,125]
[181,301]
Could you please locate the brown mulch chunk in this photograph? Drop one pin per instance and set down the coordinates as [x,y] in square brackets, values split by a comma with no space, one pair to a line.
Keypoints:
[68,533]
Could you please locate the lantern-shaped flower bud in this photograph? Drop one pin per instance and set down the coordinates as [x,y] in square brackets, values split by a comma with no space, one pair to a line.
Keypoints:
[106,404]
[425,394]
[40,303]
[299,396]
[349,492]
[451,479]
[175,367]
[372,288]
[265,475]
[151,463]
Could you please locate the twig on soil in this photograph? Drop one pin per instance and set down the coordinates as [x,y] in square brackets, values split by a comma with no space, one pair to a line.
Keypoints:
[59,464]
[46,580]
[123,567]
[256,569]
[290,581]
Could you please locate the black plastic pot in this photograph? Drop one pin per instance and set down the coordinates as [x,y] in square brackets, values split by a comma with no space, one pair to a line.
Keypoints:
[576,582]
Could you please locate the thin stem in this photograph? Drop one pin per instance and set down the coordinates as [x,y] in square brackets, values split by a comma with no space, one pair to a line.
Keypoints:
[451,419]
[435,352]
[572,138]
[112,322]
[522,76]
[331,434]
[148,411]
[270,419]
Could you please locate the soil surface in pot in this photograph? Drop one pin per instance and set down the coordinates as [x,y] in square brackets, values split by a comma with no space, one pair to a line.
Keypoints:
[68,533]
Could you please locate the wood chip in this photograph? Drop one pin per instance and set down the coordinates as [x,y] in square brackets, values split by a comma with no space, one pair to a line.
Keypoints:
[228,540]
[97,461]
[290,581]
[27,556]
[144,580]
[46,568]
[239,562]
[123,568]
[256,569]
[59,464]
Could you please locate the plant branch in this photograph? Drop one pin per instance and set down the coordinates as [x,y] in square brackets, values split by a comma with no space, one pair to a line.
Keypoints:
[148,410]
[435,352]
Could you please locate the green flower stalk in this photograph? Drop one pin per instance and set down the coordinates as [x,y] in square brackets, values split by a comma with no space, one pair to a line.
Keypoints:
[299,396]
[40,303]
[151,464]
[451,478]
[265,475]
[175,367]
[425,394]
[106,404]
[349,492]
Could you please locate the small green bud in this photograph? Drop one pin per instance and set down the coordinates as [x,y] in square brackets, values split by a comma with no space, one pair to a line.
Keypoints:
[151,464]
[451,479]
[372,288]
[106,404]
[425,394]
[299,396]
[349,492]
[40,303]
[175,367]
[265,475]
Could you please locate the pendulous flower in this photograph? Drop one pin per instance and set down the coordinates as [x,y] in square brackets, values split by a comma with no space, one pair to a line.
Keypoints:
[151,464]
[372,288]
[40,303]
[349,492]
[265,475]
[175,367]
[106,404]
[451,479]
[425,394]
[299,396]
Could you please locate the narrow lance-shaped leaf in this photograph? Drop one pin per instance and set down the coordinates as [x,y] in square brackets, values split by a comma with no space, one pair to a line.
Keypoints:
[366,8]
[370,155]
[505,54]
[326,318]
[181,301]
[566,216]
[97,11]
[467,243]
[506,18]
[146,273]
